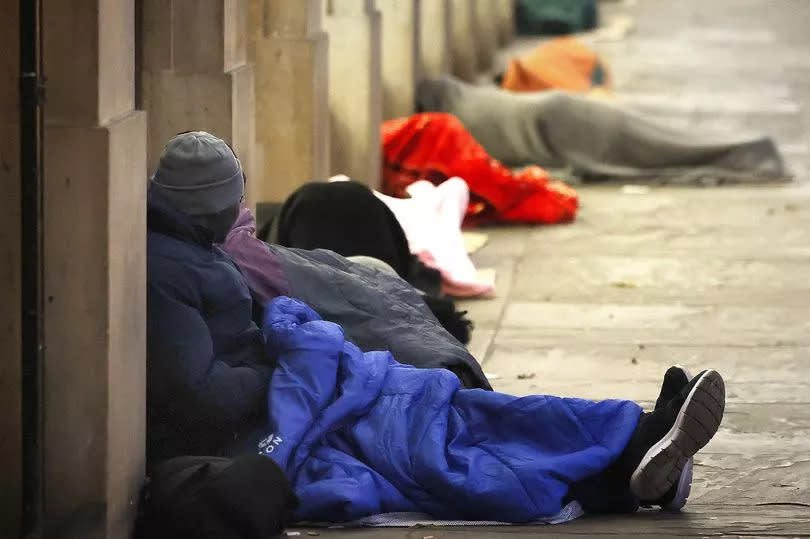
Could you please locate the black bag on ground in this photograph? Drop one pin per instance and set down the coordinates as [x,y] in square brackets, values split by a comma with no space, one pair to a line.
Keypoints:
[247,497]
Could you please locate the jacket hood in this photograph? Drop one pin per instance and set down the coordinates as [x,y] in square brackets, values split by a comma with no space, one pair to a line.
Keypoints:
[162,218]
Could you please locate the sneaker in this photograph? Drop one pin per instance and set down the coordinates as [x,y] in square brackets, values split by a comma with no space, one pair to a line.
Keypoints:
[674,433]
[675,379]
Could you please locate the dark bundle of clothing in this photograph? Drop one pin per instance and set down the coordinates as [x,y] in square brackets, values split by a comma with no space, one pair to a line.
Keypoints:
[346,217]
[247,497]
[555,17]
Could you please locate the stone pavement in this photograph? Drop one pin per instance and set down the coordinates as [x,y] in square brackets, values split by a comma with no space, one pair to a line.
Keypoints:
[705,277]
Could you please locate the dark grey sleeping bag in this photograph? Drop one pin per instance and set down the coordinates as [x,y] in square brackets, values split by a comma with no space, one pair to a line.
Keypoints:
[597,139]
[378,311]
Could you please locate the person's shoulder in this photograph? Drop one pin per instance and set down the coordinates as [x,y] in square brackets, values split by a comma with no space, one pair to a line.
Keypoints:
[159,240]
[173,269]
[167,258]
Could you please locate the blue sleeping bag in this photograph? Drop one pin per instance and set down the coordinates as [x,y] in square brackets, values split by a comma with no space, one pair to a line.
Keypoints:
[360,434]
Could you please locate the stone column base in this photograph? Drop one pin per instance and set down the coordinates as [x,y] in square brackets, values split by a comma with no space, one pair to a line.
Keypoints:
[95,326]
[485,22]
[505,11]
[435,32]
[292,112]
[463,49]
[400,50]
[220,103]
[10,323]
[355,95]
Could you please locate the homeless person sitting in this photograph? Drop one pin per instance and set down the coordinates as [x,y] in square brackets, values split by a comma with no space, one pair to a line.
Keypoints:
[357,433]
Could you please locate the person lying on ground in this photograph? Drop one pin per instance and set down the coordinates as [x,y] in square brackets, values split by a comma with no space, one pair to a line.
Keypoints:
[595,138]
[359,434]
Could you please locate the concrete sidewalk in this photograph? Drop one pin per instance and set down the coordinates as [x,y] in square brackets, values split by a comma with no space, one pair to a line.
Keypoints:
[716,277]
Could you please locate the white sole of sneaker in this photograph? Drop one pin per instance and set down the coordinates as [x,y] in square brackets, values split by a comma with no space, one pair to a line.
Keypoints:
[684,487]
[696,424]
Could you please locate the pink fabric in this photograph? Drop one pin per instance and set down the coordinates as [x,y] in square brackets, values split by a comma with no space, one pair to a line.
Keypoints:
[260,267]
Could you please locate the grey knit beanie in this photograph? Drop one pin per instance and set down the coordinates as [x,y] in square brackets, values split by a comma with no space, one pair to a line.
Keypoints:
[198,174]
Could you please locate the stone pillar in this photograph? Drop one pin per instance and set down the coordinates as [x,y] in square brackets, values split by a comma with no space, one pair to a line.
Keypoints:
[485,23]
[289,50]
[195,76]
[400,50]
[505,11]
[10,426]
[355,88]
[434,42]
[94,270]
[462,44]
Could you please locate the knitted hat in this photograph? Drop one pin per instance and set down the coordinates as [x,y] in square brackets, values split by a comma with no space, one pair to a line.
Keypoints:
[199,174]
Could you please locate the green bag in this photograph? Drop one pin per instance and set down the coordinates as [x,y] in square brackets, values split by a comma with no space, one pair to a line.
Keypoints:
[555,17]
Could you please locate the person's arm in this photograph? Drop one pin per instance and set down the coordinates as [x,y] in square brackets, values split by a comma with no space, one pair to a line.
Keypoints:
[185,374]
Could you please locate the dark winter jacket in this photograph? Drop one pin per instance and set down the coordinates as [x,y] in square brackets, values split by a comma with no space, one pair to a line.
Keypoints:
[207,369]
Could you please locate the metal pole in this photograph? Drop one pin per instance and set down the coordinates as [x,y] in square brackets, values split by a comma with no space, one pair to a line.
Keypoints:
[31,266]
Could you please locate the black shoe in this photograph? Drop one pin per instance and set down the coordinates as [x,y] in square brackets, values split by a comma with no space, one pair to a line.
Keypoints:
[675,379]
[666,439]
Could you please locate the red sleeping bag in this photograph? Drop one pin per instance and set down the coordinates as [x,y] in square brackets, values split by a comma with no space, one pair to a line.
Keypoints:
[436,146]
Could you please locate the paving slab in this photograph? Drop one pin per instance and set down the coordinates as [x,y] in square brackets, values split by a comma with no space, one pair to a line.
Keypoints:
[708,520]
[634,371]
[673,323]
[651,279]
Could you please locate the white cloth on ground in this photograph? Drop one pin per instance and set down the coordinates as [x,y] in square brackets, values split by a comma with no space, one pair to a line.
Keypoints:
[409,520]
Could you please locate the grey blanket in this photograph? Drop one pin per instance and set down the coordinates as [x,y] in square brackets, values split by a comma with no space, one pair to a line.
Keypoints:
[597,139]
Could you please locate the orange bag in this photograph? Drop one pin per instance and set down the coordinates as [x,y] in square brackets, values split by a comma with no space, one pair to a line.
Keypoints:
[436,146]
[563,63]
